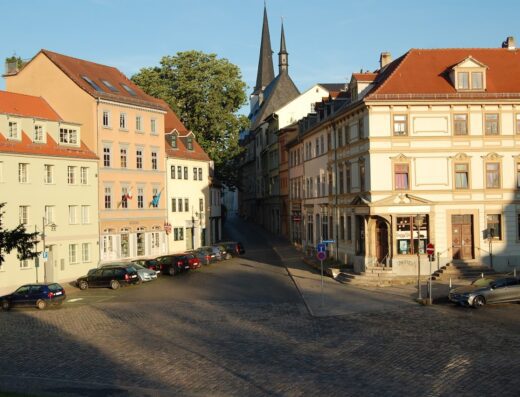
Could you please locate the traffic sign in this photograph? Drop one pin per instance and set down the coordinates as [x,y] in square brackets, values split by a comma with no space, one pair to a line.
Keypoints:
[45,254]
[321,255]
[321,247]
[329,241]
[430,249]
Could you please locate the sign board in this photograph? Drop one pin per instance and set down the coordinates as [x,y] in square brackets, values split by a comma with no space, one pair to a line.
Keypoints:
[45,254]
[329,241]
[321,247]
[321,255]
[430,249]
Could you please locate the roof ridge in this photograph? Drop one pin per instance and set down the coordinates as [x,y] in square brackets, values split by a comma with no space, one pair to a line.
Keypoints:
[401,60]
[79,59]
[459,48]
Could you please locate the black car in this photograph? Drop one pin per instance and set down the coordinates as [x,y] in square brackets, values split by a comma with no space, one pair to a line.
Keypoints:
[173,264]
[151,264]
[113,276]
[235,248]
[39,295]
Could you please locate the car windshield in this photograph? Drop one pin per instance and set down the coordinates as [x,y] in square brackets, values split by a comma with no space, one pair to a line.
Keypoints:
[137,266]
[482,282]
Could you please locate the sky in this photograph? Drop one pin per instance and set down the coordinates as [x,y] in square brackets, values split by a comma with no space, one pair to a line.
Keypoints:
[327,40]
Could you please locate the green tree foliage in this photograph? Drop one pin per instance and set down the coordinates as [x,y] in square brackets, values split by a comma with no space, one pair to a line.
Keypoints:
[14,58]
[18,239]
[206,93]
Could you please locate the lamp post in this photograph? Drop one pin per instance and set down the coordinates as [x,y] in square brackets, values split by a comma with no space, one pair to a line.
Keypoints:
[418,222]
[53,228]
[491,234]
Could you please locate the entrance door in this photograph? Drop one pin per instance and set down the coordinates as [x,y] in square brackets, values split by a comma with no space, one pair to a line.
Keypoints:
[462,236]
[189,238]
[381,241]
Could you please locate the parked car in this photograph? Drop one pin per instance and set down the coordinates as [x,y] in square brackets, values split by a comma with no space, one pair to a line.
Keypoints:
[40,295]
[173,264]
[234,248]
[113,275]
[151,264]
[214,251]
[193,259]
[200,255]
[209,254]
[486,291]
[144,273]
[223,251]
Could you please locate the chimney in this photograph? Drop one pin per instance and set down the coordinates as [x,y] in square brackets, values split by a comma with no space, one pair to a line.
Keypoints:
[509,43]
[385,59]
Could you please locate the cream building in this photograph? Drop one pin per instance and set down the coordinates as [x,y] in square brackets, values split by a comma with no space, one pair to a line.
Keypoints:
[436,160]
[48,180]
[124,127]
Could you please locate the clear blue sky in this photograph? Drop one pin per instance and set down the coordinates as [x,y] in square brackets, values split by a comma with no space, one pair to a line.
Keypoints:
[326,40]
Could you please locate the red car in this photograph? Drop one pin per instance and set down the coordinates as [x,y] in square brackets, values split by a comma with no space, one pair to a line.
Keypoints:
[193,261]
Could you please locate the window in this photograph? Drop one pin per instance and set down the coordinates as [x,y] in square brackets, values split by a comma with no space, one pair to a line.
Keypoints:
[106,119]
[362,175]
[195,173]
[401,172]
[140,197]
[477,81]
[108,197]
[189,143]
[317,146]
[23,214]
[23,173]
[73,214]
[186,205]
[138,123]
[492,175]
[174,205]
[349,228]
[494,226]
[185,172]
[342,227]
[71,175]
[179,207]
[73,253]
[92,84]
[201,205]
[200,174]
[340,182]
[491,124]
[361,128]
[139,159]
[153,126]
[460,124]
[106,156]
[85,252]
[68,135]
[179,172]
[518,123]
[123,157]
[124,197]
[48,174]
[410,242]
[154,160]
[348,177]
[85,214]
[178,233]
[172,172]
[125,243]
[49,214]
[122,121]
[128,89]
[110,86]
[38,133]
[84,175]
[322,144]
[13,130]
[400,125]
[461,176]
[518,175]
[463,80]
[310,229]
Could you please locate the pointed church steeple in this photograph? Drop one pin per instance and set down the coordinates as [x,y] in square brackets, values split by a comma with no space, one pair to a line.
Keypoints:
[265,63]
[283,55]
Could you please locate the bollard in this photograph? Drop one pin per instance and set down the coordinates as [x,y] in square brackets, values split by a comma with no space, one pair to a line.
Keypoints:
[450,282]
[482,275]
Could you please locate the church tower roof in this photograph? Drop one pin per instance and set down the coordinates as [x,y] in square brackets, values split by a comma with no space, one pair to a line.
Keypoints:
[265,62]
[283,55]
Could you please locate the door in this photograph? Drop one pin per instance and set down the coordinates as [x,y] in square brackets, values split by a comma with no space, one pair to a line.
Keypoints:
[21,296]
[189,238]
[381,241]
[462,236]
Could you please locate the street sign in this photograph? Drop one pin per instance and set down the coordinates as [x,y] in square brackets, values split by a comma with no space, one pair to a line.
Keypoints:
[430,249]
[321,255]
[45,254]
[321,247]
[329,241]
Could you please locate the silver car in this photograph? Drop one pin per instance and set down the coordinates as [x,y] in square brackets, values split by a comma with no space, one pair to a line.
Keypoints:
[144,273]
[487,290]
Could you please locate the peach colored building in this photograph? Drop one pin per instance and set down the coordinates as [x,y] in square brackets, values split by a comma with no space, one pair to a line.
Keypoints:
[47,180]
[124,127]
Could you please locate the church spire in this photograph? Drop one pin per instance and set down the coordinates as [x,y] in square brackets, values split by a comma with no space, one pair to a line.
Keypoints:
[265,62]
[283,55]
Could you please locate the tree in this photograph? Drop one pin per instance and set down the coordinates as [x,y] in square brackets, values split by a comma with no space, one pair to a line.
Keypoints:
[18,239]
[15,59]
[206,93]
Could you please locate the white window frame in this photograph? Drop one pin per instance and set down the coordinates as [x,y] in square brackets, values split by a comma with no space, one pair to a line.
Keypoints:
[23,214]
[13,131]
[153,126]
[23,172]
[73,214]
[48,177]
[85,252]
[49,213]
[139,123]
[106,119]
[83,176]
[85,214]
[71,175]
[73,254]
[39,133]
[123,121]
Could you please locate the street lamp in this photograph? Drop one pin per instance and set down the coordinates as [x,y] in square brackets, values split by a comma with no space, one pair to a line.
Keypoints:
[418,222]
[53,228]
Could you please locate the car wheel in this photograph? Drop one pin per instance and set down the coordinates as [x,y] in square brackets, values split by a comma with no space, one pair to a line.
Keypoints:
[172,271]
[83,285]
[6,305]
[41,304]
[479,301]
[114,284]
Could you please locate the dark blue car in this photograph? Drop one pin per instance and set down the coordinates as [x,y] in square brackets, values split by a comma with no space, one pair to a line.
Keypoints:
[39,295]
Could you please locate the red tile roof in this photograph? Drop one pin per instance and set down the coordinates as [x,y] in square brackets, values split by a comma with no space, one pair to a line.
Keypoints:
[26,106]
[426,72]
[182,151]
[75,68]
[364,77]
[50,148]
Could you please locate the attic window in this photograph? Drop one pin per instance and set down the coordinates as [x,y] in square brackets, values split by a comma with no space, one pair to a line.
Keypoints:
[469,75]
[92,84]
[173,141]
[128,89]
[110,86]
[190,143]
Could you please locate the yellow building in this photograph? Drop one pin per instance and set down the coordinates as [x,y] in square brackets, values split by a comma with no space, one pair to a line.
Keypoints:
[124,127]
[48,180]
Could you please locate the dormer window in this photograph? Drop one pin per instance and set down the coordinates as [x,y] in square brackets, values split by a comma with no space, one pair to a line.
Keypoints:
[189,143]
[173,141]
[469,75]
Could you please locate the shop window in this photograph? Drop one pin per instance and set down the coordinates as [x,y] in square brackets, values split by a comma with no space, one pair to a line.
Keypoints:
[409,241]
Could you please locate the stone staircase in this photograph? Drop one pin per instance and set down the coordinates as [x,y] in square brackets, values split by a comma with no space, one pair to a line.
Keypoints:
[462,270]
[374,276]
